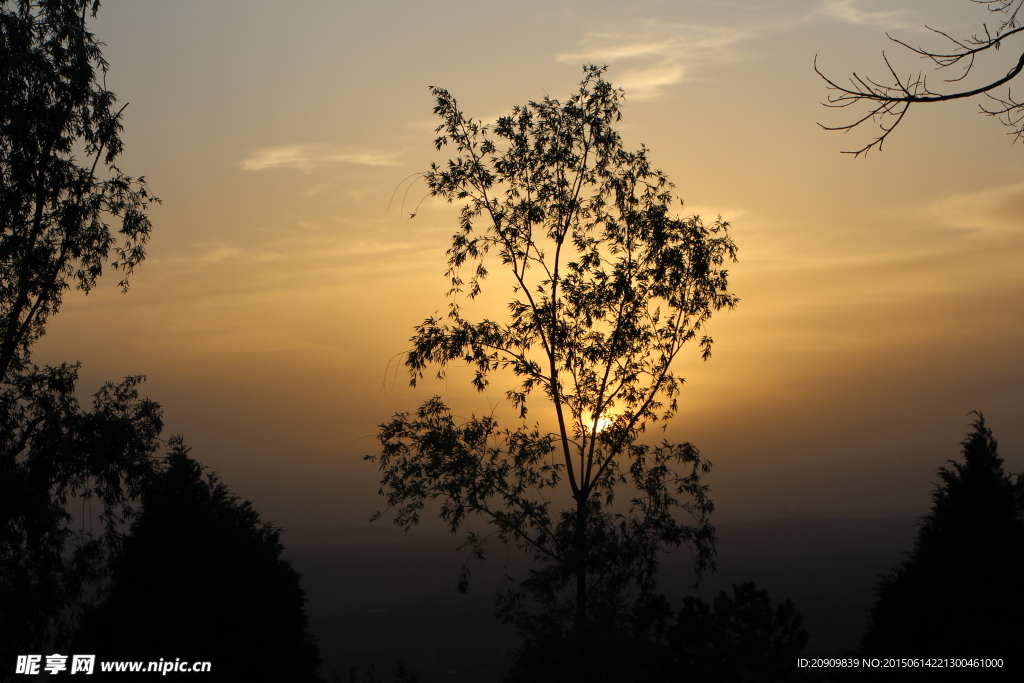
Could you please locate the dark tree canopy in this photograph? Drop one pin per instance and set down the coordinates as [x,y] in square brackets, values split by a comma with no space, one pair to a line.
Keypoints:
[201,577]
[608,287]
[744,637]
[60,189]
[960,589]
[60,193]
[55,456]
[739,638]
[889,100]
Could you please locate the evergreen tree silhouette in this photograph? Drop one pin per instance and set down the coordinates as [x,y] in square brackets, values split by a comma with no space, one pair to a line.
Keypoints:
[960,592]
[201,578]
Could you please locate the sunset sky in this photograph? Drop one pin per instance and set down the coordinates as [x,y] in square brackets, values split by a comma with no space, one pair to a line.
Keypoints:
[880,297]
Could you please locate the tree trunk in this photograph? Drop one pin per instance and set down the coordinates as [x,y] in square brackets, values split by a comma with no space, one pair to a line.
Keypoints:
[581,627]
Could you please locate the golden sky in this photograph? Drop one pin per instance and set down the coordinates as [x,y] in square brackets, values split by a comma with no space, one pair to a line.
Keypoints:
[881,297]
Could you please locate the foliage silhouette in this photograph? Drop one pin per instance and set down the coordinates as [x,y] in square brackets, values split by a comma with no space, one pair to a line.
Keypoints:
[959,592]
[52,451]
[608,288]
[621,646]
[54,209]
[200,577]
[55,215]
[888,104]
[401,675]
[740,638]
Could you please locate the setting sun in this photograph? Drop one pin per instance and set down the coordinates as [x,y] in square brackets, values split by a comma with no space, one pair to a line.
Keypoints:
[603,422]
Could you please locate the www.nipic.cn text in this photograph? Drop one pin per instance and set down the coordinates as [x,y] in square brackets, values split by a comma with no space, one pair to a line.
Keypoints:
[31,665]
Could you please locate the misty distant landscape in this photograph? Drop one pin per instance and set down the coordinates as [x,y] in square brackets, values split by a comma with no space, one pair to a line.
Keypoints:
[378,595]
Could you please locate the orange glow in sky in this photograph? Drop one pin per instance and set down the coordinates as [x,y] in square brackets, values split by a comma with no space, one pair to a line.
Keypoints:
[880,297]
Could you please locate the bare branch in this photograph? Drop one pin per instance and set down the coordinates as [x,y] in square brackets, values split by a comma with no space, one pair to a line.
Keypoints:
[889,103]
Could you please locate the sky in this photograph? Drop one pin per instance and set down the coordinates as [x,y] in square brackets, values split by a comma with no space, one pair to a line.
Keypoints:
[880,297]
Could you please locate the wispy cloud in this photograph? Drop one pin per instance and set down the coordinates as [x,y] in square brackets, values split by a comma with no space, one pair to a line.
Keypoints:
[850,12]
[307,158]
[308,248]
[994,211]
[656,55]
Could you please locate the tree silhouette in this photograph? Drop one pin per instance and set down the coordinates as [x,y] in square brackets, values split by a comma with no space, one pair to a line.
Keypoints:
[52,451]
[742,638]
[401,674]
[55,208]
[625,644]
[201,578]
[959,592]
[608,286]
[59,191]
[888,104]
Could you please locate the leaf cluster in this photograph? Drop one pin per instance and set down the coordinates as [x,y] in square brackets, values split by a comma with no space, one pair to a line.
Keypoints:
[510,478]
[60,187]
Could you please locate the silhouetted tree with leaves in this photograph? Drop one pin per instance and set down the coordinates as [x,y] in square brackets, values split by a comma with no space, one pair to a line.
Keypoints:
[623,639]
[55,457]
[608,287]
[200,577]
[59,185]
[744,637]
[740,638]
[959,593]
[59,192]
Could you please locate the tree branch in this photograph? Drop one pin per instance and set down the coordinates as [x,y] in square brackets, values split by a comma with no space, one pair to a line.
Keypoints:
[890,103]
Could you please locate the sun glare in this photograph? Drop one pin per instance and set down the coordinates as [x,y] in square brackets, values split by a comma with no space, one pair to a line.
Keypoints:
[603,423]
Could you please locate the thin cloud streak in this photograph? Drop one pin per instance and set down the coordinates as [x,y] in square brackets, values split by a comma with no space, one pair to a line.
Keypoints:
[308,248]
[657,55]
[309,157]
[997,211]
[848,11]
